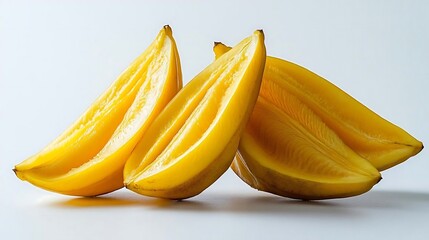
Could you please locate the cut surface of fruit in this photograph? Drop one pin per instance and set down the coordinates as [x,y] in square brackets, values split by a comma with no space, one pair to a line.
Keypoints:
[374,138]
[88,158]
[194,139]
[289,150]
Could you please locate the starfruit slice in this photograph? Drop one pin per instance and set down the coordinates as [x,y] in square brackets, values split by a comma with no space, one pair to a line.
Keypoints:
[288,149]
[88,158]
[194,140]
[372,137]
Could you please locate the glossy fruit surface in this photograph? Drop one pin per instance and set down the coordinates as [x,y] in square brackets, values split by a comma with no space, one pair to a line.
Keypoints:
[194,140]
[88,158]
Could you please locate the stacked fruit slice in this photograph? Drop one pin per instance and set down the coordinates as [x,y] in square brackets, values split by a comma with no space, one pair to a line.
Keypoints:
[308,139]
[297,135]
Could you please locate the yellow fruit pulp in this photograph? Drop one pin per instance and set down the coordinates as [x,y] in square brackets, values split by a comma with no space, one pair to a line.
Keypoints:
[287,148]
[374,138]
[193,141]
[88,158]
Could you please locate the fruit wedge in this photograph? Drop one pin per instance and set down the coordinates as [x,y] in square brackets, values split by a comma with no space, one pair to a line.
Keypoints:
[374,138]
[88,158]
[194,140]
[289,150]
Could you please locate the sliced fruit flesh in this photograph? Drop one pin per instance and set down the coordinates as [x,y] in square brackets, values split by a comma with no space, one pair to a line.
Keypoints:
[161,133]
[287,137]
[374,138]
[156,80]
[200,122]
[287,150]
[96,125]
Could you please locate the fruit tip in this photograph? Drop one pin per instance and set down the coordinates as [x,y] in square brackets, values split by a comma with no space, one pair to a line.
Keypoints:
[168,29]
[216,43]
[260,32]
[379,179]
[18,174]
[420,147]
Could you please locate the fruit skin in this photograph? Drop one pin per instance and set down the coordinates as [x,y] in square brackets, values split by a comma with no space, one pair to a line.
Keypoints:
[194,139]
[281,155]
[374,138]
[287,149]
[88,158]
[269,180]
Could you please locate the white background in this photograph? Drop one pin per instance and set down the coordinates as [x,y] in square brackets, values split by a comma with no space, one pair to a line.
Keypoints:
[56,57]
